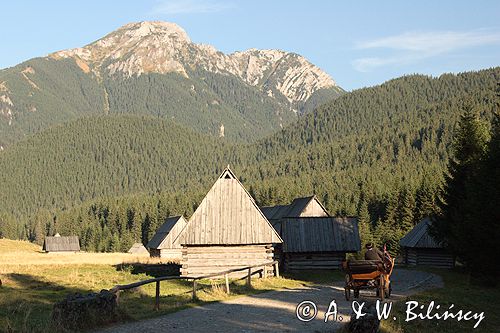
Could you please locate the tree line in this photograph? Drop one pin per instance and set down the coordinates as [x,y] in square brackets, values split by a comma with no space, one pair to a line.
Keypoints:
[378,153]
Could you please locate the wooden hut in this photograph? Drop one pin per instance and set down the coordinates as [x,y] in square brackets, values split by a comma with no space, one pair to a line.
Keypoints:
[419,248]
[165,243]
[138,249]
[227,230]
[311,243]
[300,207]
[59,243]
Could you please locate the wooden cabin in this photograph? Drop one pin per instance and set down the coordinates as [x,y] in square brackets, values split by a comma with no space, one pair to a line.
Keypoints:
[312,243]
[138,249]
[227,230]
[59,243]
[300,207]
[420,248]
[165,243]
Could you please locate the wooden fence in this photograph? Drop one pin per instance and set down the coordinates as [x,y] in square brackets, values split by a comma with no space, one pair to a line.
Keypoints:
[116,289]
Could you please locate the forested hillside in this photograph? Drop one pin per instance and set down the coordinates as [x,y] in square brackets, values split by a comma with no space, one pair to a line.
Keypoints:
[377,152]
[152,68]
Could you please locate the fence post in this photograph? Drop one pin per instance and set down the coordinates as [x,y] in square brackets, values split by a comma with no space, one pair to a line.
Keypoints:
[249,277]
[265,271]
[276,270]
[227,282]
[194,289]
[157,300]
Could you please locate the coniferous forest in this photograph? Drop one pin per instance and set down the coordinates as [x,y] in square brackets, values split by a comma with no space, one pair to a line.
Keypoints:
[380,153]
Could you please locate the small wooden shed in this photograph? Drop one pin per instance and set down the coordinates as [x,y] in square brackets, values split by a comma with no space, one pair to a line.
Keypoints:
[59,243]
[311,243]
[227,230]
[138,249]
[165,243]
[420,248]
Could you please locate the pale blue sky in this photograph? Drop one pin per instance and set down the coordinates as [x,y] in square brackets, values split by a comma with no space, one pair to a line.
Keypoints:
[359,44]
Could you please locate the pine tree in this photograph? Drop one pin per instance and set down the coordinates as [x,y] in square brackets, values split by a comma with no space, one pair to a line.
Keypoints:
[425,200]
[364,223]
[452,225]
[481,229]
[406,209]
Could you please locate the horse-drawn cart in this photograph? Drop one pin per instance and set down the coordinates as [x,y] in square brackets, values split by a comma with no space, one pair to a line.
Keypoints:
[368,274]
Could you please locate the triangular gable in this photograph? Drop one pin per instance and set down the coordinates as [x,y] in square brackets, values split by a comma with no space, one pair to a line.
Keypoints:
[307,207]
[228,215]
[300,207]
[166,237]
[138,248]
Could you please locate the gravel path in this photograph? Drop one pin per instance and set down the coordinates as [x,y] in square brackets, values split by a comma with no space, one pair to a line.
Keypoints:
[275,311]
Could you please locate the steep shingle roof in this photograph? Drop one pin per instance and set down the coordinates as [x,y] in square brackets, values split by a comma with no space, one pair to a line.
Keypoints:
[320,234]
[138,248]
[294,209]
[419,236]
[166,237]
[228,215]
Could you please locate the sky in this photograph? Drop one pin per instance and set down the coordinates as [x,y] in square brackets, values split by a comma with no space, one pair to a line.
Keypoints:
[359,43]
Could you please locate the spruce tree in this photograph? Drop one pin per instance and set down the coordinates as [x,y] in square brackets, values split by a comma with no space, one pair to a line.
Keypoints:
[452,225]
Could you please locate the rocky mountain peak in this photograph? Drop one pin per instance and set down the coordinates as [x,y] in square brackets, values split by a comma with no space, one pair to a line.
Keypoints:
[158,28]
[163,47]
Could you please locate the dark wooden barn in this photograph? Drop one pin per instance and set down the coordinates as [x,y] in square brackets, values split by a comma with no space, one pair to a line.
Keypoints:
[59,243]
[165,243]
[311,243]
[419,248]
[227,230]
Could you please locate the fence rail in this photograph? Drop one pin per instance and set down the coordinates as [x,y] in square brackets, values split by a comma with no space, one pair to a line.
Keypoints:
[116,289]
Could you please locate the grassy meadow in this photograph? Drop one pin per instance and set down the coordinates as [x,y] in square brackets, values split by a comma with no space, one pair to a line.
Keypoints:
[32,281]
[457,290]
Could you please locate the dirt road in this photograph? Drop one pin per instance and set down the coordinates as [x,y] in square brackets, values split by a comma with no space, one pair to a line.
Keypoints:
[275,311]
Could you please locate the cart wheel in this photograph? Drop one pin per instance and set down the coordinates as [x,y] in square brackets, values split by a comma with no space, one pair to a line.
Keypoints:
[347,294]
[356,293]
[381,287]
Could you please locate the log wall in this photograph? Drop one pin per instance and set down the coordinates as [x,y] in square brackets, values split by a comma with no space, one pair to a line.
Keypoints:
[173,254]
[313,261]
[201,260]
[429,257]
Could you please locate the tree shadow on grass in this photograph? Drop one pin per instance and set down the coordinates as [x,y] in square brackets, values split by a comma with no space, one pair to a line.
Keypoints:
[153,270]
[26,302]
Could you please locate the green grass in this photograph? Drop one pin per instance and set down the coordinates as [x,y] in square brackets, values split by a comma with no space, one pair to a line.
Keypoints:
[458,291]
[29,291]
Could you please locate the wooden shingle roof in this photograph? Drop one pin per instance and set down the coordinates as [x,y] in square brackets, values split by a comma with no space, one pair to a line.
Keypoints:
[419,237]
[138,248]
[61,244]
[294,209]
[320,234]
[167,235]
[228,215]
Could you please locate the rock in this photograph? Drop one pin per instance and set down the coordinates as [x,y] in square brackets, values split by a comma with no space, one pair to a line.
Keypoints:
[78,311]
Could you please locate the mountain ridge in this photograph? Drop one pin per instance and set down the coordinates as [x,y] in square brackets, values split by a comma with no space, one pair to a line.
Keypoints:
[164,47]
[374,139]
[152,68]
